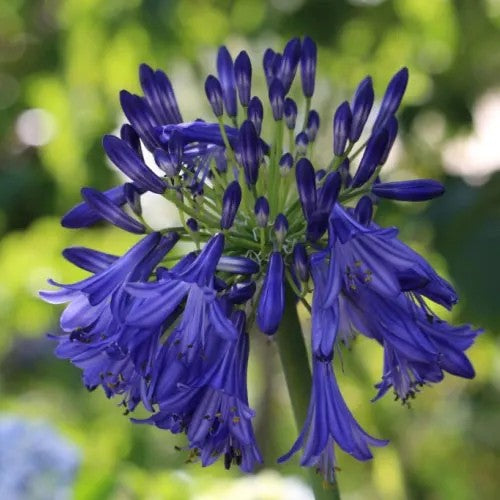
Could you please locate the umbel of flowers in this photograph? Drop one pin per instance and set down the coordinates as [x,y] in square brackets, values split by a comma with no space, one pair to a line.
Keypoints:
[170,332]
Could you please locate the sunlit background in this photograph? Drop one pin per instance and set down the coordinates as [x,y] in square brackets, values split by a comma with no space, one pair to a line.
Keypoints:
[62,64]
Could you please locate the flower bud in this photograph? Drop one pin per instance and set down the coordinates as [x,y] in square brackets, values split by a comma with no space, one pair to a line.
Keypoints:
[308,66]
[341,128]
[414,190]
[225,71]
[392,98]
[131,137]
[290,110]
[243,77]
[371,158]
[237,265]
[306,186]
[126,159]
[361,107]
[301,142]
[213,90]
[276,98]
[261,211]
[256,113]
[272,298]
[329,192]
[250,151]
[289,63]
[392,131]
[364,210]
[320,174]
[192,224]
[269,65]
[280,228]
[312,125]
[133,197]
[241,292]
[230,204]
[300,262]
[286,164]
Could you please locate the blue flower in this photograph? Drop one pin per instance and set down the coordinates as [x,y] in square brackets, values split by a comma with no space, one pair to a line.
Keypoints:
[209,400]
[329,422]
[168,331]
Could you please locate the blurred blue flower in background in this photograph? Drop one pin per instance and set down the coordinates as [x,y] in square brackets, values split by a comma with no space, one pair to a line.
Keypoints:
[36,462]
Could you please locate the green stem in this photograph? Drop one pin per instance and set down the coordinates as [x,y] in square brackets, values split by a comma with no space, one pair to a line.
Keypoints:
[295,362]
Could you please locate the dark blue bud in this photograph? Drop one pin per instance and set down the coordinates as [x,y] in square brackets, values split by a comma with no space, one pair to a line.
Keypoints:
[111,212]
[320,174]
[241,292]
[312,125]
[83,215]
[341,127]
[416,190]
[131,137]
[361,106]
[364,210]
[230,204]
[133,197]
[286,164]
[277,98]
[192,224]
[300,262]
[221,163]
[261,211]
[219,284]
[345,175]
[88,259]
[392,131]
[306,186]
[126,159]
[269,65]
[243,77]
[301,142]
[308,66]
[329,192]
[290,110]
[289,63]
[165,162]
[280,228]
[392,98]
[371,158]
[256,113]
[213,90]
[159,95]
[225,71]
[140,117]
[317,225]
[237,265]
[250,151]
[272,297]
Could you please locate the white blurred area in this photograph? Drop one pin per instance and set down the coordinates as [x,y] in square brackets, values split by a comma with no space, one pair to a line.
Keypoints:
[35,127]
[268,485]
[477,155]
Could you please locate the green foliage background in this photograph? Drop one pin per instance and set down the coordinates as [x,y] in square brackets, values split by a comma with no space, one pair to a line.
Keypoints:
[71,58]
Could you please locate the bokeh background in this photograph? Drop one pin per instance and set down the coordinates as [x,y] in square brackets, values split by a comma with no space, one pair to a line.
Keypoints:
[62,64]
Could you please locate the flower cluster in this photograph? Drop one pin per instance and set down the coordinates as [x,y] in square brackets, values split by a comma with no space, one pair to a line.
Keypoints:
[170,331]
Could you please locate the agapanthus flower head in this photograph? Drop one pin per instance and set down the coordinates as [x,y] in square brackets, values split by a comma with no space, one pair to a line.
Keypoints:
[171,331]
